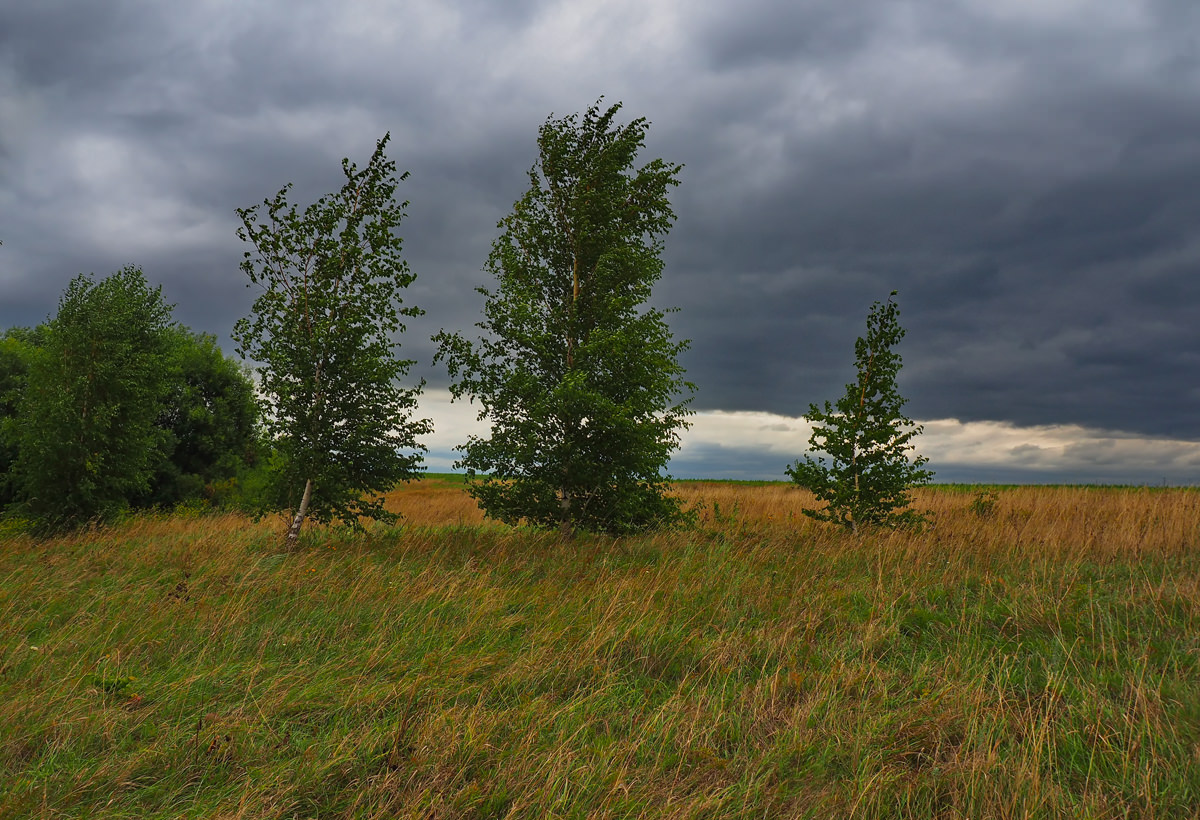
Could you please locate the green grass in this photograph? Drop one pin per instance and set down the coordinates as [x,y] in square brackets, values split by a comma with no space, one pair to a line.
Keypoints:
[734,482]
[445,478]
[189,669]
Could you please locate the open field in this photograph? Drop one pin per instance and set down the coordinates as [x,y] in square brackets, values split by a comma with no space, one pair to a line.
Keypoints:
[1034,655]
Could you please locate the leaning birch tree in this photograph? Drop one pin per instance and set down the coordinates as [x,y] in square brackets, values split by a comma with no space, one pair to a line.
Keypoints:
[331,279]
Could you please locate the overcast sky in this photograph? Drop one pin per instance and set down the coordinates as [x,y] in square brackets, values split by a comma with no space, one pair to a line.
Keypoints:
[1026,173]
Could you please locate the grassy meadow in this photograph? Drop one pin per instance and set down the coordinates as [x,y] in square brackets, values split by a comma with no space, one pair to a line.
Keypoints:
[1036,653]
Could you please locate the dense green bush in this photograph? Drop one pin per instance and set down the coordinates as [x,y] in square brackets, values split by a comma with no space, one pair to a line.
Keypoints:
[111,406]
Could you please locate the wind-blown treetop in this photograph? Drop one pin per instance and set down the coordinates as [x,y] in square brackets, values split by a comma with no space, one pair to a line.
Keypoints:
[577,375]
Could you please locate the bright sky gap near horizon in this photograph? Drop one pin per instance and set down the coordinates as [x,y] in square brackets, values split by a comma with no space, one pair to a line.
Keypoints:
[1026,174]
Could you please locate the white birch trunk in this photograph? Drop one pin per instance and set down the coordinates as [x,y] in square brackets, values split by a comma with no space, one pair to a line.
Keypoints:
[293,534]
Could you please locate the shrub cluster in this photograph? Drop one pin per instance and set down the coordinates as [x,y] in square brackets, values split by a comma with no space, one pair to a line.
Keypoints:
[112,406]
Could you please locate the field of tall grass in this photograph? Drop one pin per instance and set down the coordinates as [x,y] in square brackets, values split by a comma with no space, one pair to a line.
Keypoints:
[1036,653]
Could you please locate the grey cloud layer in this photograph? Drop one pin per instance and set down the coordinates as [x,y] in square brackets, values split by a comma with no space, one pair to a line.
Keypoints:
[1030,186]
[1026,174]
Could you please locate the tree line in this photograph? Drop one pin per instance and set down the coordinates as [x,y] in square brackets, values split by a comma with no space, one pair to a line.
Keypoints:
[111,405]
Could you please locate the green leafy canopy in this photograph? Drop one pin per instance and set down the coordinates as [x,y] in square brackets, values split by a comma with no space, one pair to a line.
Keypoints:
[867,438]
[88,438]
[210,418]
[331,280]
[577,376]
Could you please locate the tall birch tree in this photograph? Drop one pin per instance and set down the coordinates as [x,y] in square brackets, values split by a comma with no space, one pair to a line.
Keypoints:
[578,377]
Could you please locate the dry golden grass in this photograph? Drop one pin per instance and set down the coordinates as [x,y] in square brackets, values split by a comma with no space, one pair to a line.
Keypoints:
[1038,522]
[1041,659]
[434,501]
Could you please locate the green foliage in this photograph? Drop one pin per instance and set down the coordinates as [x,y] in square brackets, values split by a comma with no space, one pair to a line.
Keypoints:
[210,418]
[576,374]
[16,349]
[983,504]
[867,438]
[207,416]
[117,687]
[87,433]
[331,279]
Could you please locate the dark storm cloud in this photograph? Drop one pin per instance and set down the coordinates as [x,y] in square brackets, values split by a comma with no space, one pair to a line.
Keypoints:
[200,116]
[1026,174]
[1041,232]
[82,45]
[764,32]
